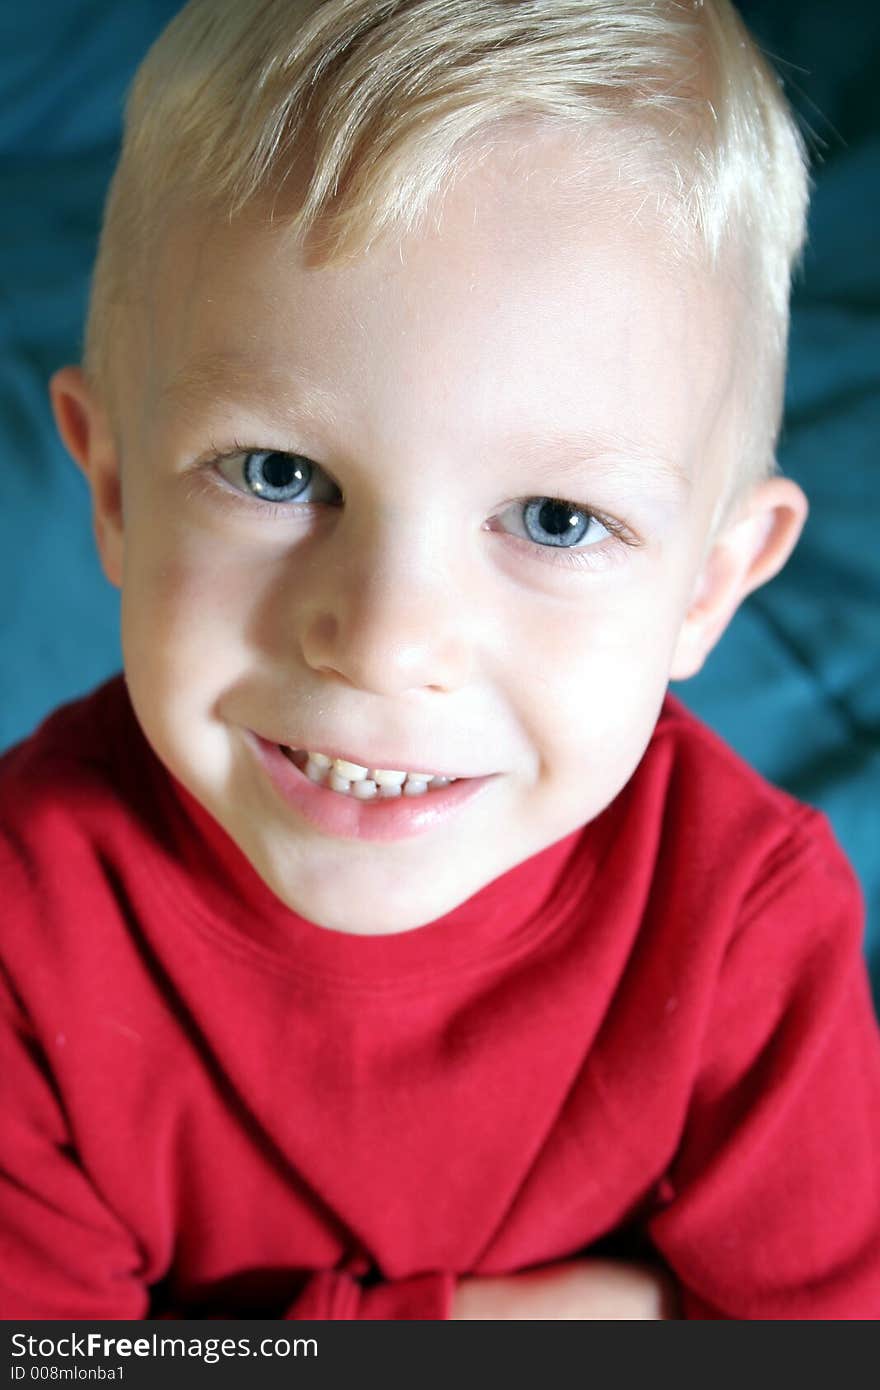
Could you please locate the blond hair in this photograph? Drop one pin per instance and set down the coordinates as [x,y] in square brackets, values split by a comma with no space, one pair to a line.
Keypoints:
[382,103]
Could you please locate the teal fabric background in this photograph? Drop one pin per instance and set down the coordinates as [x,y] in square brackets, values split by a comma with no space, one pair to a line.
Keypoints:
[795,682]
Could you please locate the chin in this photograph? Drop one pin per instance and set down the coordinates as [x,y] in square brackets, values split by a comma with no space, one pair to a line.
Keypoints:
[331,914]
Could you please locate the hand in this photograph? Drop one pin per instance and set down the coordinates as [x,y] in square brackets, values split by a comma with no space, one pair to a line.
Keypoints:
[572,1290]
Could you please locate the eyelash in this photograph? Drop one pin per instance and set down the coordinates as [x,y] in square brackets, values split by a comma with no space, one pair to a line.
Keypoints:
[594,557]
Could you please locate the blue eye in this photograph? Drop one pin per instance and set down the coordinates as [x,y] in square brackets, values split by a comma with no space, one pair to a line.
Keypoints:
[276,477]
[550,521]
[273,476]
[553,522]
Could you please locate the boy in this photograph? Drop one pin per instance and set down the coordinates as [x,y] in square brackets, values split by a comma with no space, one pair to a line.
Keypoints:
[390,944]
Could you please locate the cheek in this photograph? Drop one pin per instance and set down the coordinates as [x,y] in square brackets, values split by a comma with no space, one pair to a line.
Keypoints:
[593,679]
[601,634]
[189,608]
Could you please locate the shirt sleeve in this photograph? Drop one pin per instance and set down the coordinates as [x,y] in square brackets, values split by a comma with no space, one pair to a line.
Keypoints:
[772,1207]
[65,1255]
[337,1296]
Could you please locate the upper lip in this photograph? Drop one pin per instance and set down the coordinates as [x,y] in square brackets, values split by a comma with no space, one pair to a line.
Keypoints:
[391,763]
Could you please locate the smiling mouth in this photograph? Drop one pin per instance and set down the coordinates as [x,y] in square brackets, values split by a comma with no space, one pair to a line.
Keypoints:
[363,783]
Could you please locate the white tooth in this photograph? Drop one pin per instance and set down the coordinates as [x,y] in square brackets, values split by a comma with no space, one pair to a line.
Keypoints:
[365,788]
[421,776]
[353,771]
[390,789]
[413,787]
[339,784]
[320,760]
[314,771]
[387,777]
[441,781]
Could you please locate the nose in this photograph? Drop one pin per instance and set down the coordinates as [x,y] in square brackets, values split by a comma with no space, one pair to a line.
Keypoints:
[384,616]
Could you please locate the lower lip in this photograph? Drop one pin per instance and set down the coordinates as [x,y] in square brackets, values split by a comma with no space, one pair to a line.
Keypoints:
[382,818]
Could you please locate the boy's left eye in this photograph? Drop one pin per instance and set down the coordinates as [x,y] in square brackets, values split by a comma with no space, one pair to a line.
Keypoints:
[553,522]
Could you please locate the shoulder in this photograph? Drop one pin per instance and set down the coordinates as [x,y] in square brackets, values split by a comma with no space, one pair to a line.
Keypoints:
[729,848]
[704,770]
[721,801]
[63,798]
[83,847]
[745,909]
[65,763]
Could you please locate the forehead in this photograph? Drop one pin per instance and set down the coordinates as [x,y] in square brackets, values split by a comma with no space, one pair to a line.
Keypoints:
[538,294]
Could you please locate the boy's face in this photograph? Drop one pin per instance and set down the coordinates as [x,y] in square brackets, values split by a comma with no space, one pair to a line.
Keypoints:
[418,611]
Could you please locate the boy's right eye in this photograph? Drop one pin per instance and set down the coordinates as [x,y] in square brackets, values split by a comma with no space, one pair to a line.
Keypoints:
[277,477]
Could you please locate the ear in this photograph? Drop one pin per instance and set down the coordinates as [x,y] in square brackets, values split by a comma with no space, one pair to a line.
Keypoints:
[748,551]
[85,429]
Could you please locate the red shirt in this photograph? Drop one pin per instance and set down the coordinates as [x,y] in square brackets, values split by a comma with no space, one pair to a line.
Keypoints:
[657,1029]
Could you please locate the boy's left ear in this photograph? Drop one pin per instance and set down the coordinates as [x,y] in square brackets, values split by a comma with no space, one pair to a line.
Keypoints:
[748,551]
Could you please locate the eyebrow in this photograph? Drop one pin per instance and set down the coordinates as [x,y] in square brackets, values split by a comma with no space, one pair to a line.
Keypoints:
[232,378]
[583,456]
[576,457]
